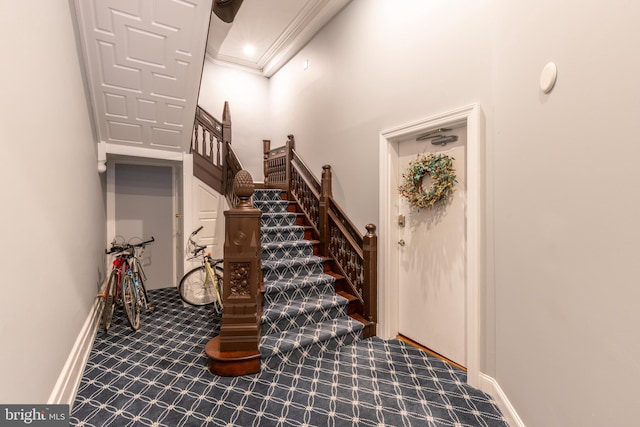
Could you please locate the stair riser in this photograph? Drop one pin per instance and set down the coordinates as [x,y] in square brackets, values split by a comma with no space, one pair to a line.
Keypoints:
[282,236]
[316,349]
[266,195]
[281,206]
[280,220]
[287,253]
[293,321]
[299,271]
[275,295]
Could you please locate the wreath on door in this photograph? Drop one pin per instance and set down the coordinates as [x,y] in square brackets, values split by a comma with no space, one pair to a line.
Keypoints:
[440,168]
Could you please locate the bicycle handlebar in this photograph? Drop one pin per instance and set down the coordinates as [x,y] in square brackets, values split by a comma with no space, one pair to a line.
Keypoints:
[121,247]
[141,244]
[117,248]
[195,248]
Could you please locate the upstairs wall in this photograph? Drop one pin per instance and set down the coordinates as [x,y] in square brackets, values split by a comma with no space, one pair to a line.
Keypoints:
[247,94]
[53,221]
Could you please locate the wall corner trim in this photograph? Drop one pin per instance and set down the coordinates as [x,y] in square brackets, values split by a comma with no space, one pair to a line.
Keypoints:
[66,388]
[490,386]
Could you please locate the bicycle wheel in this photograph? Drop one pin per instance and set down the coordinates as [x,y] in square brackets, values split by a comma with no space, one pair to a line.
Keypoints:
[144,297]
[195,287]
[130,302]
[109,297]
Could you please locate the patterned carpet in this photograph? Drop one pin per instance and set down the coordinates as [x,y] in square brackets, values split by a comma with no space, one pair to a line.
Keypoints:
[302,314]
[157,376]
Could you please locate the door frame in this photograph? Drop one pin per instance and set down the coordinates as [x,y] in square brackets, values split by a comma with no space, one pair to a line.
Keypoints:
[388,310]
[178,194]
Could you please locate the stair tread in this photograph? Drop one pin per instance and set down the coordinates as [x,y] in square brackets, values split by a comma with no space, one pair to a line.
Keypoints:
[335,275]
[297,282]
[268,214]
[291,262]
[287,243]
[361,319]
[282,228]
[346,295]
[303,305]
[295,338]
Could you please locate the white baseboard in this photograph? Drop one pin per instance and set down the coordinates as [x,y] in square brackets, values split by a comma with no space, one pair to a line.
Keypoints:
[491,386]
[66,388]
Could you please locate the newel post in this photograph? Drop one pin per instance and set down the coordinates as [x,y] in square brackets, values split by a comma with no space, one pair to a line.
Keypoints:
[235,351]
[325,196]
[370,264]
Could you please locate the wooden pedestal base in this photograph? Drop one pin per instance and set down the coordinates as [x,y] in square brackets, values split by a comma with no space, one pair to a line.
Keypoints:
[231,363]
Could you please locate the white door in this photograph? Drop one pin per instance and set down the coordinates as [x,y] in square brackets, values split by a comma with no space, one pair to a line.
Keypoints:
[144,207]
[432,272]
[208,212]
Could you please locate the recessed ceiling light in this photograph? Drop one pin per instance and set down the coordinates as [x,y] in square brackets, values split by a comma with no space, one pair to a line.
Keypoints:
[249,50]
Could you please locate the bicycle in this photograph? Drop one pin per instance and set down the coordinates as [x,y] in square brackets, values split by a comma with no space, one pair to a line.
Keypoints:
[203,284]
[113,289]
[124,284]
[134,293]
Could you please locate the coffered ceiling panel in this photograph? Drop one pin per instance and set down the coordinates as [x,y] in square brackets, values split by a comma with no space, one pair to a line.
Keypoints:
[144,63]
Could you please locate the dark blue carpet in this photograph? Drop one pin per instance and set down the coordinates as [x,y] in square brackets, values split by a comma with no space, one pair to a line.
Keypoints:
[158,376]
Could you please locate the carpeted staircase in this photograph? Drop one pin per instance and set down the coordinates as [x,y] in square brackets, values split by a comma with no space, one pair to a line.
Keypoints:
[302,314]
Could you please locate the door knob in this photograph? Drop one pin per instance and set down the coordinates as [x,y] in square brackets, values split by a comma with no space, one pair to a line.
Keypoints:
[401,242]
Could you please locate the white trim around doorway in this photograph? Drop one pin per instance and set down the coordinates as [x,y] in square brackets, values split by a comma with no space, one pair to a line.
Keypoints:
[177,165]
[472,117]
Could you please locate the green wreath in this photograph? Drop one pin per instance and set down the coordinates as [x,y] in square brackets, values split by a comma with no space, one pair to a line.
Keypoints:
[440,168]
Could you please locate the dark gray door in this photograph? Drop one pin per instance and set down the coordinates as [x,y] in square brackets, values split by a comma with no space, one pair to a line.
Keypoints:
[144,208]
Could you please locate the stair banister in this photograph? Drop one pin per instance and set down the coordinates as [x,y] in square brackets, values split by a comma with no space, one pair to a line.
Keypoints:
[355,255]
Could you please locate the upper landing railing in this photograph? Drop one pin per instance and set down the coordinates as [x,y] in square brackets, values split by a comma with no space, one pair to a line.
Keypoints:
[214,161]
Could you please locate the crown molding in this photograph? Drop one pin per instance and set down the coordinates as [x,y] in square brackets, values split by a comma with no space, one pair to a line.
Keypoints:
[315,15]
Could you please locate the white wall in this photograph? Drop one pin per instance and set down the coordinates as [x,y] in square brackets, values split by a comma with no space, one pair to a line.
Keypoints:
[247,94]
[560,302]
[53,215]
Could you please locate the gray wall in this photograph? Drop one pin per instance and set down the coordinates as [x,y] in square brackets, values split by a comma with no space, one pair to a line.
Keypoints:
[144,208]
[566,211]
[53,215]
[560,303]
